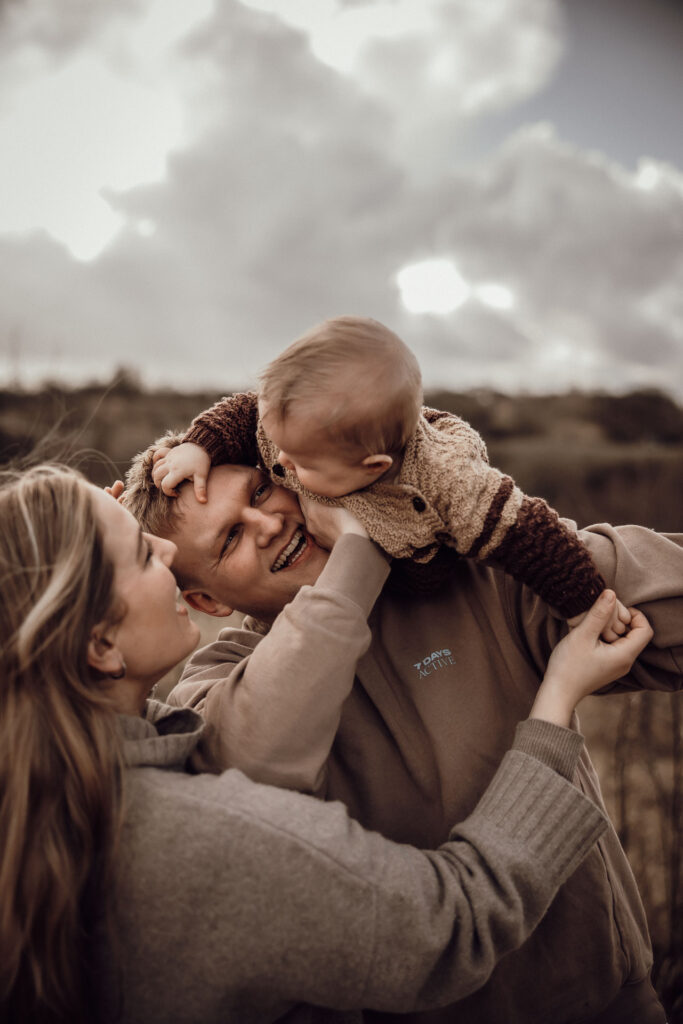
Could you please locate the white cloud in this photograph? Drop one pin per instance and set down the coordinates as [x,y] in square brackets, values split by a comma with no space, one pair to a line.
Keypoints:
[296,196]
[78,121]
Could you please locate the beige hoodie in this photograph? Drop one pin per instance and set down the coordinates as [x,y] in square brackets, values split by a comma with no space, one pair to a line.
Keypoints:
[426,721]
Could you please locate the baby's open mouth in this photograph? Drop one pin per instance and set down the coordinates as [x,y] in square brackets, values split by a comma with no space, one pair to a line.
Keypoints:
[289,555]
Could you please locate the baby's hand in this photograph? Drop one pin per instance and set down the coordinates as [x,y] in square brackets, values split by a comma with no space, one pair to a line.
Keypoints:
[187,461]
[583,663]
[327,523]
[618,623]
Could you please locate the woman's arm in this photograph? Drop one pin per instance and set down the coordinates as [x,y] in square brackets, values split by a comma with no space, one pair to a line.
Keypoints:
[249,899]
[645,569]
[273,704]
[583,662]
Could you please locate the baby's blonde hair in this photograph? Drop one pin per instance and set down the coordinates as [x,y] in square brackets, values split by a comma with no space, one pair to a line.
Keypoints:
[367,378]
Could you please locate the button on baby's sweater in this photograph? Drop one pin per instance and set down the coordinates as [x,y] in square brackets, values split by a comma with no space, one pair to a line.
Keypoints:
[278,470]
[419,504]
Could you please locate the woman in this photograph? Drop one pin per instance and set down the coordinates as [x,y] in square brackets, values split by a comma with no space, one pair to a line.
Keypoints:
[134,889]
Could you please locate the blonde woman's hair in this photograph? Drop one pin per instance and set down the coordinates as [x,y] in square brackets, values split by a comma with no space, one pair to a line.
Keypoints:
[60,770]
[363,380]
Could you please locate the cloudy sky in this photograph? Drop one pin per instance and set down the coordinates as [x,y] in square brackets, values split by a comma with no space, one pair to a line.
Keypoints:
[185,187]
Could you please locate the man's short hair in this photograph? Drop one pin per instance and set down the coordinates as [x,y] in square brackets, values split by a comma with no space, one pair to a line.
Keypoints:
[156,512]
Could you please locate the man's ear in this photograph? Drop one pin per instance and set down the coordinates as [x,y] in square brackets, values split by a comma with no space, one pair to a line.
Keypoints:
[202,602]
[377,464]
[103,653]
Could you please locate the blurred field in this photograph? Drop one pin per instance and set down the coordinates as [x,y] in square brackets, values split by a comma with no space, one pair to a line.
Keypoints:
[595,458]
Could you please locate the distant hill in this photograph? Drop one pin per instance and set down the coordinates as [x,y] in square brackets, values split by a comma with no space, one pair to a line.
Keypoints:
[593,456]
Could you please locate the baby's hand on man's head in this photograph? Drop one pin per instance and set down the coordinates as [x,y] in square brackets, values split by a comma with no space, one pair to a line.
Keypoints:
[618,624]
[187,461]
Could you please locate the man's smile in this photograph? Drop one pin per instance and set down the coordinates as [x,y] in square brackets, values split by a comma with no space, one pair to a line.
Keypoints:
[292,551]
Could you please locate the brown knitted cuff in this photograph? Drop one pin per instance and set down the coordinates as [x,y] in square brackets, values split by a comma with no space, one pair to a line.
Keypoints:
[540,551]
[227,431]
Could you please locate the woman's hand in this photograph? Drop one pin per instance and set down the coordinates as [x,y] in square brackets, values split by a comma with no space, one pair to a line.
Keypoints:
[327,523]
[583,663]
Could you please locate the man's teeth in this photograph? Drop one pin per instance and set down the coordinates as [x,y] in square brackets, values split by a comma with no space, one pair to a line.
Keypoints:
[291,552]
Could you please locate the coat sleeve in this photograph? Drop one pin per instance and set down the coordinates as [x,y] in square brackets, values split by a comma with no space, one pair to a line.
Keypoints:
[227,431]
[287,896]
[646,570]
[489,517]
[273,703]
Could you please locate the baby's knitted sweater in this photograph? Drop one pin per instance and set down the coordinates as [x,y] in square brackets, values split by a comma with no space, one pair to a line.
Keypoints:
[446,493]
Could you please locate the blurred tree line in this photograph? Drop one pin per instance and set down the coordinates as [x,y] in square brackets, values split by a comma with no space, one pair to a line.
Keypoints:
[594,457]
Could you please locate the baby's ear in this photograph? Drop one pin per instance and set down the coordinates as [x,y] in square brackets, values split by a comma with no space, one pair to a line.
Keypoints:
[377,464]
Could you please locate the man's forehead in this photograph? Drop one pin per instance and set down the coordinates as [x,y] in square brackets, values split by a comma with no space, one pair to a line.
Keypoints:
[227,488]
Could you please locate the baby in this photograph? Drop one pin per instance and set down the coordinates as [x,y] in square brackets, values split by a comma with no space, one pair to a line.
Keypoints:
[339,418]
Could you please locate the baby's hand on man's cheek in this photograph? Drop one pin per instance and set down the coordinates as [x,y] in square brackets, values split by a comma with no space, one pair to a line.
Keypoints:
[327,523]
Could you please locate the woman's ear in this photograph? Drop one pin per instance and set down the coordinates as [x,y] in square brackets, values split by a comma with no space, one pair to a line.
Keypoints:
[202,602]
[377,464]
[103,654]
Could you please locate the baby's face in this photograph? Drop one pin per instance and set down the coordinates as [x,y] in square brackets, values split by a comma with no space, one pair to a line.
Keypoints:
[320,465]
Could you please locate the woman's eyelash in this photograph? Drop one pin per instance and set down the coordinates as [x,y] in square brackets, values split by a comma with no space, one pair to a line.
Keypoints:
[148,556]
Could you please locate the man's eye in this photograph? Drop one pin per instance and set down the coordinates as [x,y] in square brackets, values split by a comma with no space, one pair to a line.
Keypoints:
[261,492]
[229,539]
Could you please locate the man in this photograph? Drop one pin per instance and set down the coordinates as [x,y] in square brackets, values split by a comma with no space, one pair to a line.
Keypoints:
[477,644]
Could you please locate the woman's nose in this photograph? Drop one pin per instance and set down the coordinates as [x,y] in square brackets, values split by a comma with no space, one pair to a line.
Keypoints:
[167,550]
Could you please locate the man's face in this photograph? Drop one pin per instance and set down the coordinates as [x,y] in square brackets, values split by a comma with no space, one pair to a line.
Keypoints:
[247,547]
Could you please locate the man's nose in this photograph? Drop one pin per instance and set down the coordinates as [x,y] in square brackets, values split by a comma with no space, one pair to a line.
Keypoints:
[265,525]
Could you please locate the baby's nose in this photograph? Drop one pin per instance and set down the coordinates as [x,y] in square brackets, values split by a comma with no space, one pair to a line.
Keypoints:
[285,461]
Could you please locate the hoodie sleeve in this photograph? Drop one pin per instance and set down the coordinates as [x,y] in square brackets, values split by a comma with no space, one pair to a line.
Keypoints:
[286,900]
[646,570]
[273,703]
[227,431]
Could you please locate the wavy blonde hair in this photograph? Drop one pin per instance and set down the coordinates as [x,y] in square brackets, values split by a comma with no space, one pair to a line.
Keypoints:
[60,767]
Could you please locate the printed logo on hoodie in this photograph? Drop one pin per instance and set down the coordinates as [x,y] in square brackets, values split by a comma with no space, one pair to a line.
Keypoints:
[433,662]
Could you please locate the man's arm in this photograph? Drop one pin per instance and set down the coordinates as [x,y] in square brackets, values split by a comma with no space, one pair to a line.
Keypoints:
[646,570]
[273,703]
